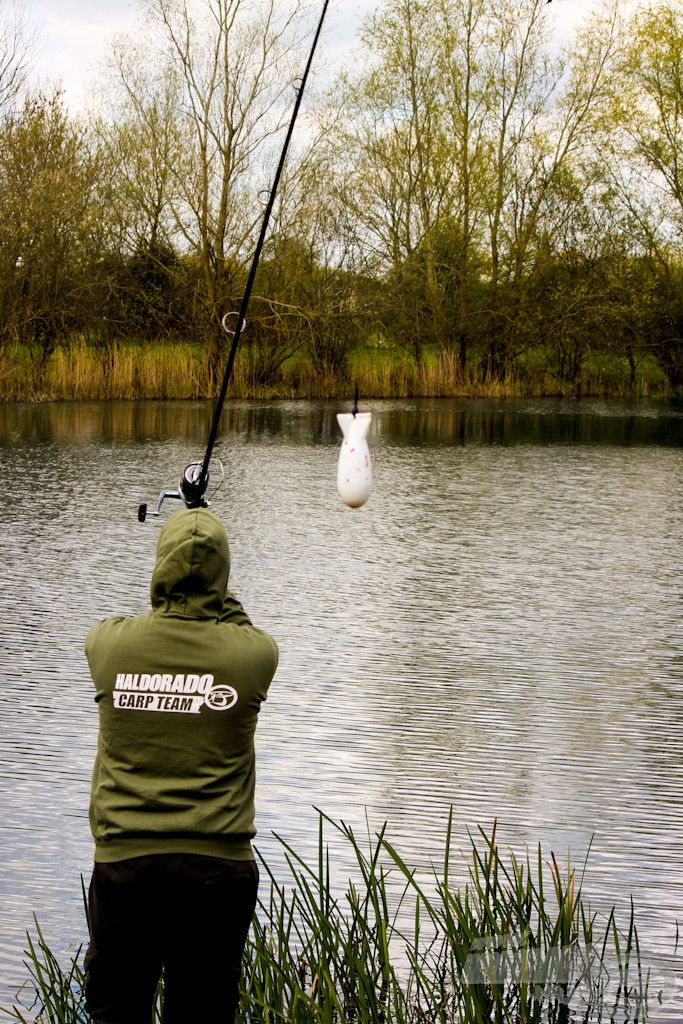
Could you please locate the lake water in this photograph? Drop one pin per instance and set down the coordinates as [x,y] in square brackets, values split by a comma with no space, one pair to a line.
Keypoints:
[498,630]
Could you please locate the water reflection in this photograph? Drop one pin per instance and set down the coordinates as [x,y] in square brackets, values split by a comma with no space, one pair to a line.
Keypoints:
[511,421]
[499,630]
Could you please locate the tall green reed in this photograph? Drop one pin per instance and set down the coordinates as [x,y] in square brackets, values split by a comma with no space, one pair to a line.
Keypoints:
[51,993]
[517,942]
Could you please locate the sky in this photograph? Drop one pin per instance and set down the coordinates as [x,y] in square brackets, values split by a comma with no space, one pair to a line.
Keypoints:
[74,35]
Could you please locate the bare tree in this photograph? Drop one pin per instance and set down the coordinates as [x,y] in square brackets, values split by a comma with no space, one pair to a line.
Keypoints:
[17,38]
[228,67]
[140,138]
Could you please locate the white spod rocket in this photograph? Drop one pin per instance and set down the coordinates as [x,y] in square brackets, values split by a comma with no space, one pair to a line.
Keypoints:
[354,469]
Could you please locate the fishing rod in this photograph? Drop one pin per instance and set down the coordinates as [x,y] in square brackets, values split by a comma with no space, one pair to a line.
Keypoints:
[195,478]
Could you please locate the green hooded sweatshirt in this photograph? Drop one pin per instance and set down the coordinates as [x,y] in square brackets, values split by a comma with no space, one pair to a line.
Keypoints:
[178,690]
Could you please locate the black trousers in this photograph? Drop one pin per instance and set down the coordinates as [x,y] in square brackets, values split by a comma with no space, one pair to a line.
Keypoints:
[185,914]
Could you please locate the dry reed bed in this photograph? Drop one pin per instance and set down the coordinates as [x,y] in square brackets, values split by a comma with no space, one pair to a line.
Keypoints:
[181,370]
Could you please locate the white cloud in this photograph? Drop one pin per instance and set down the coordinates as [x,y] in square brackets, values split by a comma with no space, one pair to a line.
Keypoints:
[76,33]
[74,37]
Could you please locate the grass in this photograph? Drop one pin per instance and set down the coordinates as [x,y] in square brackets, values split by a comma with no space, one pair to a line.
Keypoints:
[518,942]
[181,370]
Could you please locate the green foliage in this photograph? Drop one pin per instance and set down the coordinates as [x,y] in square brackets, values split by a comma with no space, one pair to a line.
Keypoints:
[48,224]
[146,294]
[518,942]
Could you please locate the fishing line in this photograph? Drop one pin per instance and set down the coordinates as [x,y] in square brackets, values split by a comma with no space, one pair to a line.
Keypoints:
[195,478]
[220,482]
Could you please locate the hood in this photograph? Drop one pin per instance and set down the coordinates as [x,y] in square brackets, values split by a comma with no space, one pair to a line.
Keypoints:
[193,563]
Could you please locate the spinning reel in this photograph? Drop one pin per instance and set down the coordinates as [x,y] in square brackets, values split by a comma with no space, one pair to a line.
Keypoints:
[191,490]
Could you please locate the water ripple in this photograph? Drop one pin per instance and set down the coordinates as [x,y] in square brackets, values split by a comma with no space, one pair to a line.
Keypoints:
[498,631]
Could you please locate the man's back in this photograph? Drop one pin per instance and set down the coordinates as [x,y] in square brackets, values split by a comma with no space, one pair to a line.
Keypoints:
[179,690]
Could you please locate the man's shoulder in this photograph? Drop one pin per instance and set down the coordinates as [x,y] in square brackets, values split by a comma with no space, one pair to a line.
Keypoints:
[107,629]
[254,642]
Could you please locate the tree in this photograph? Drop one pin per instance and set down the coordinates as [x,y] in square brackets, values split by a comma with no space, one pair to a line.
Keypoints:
[643,133]
[544,108]
[457,126]
[310,288]
[141,145]
[651,91]
[227,68]
[396,185]
[49,225]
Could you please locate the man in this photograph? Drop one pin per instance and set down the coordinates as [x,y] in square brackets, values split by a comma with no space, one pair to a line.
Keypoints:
[172,809]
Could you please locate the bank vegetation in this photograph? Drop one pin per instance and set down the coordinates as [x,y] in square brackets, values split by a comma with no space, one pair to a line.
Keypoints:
[475,206]
[517,943]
